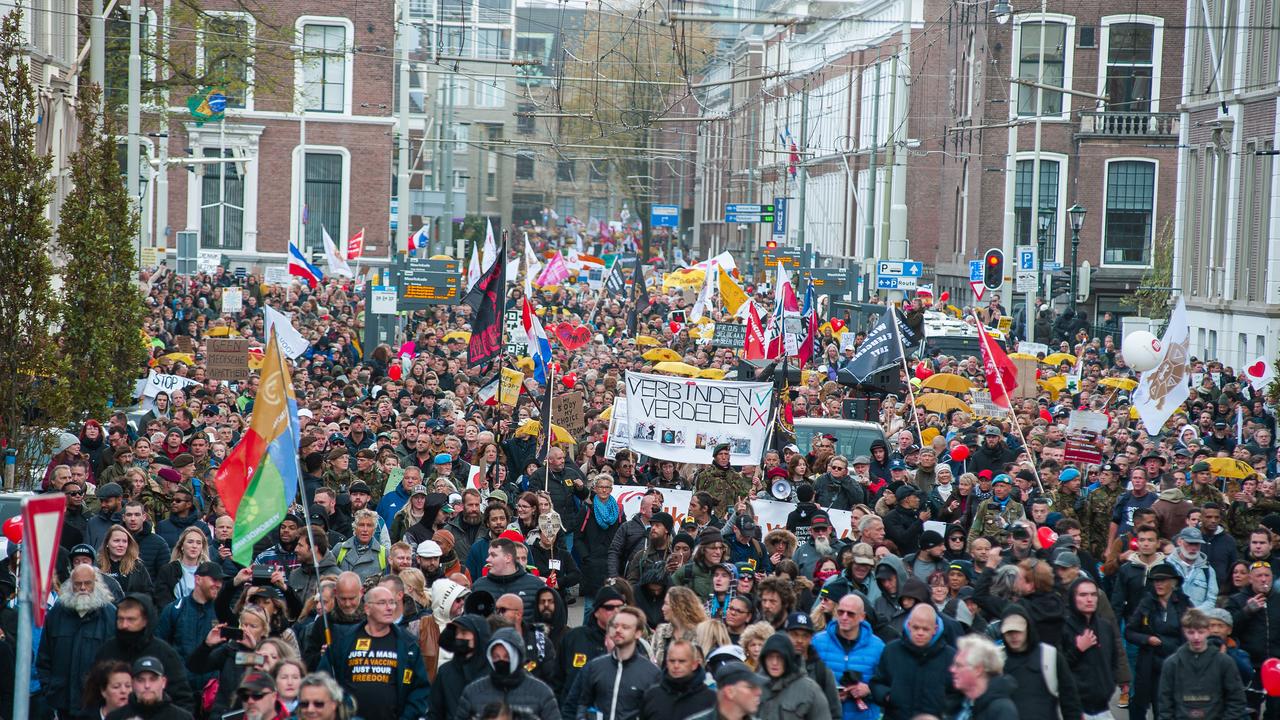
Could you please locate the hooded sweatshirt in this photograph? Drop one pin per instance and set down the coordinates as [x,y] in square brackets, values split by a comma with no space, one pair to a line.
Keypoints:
[1199,582]
[1028,667]
[792,695]
[507,682]
[453,677]
[129,646]
[906,680]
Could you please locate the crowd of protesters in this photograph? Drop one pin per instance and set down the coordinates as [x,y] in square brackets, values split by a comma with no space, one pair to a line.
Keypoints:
[400,588]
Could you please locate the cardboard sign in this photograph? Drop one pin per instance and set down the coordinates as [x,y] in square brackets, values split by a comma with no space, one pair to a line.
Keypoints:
[228,358]
[983,406]
[275,275]
[1084,437]
[185,344]
[618,437]
[232,300]
[207,261]
[568,412]
[509,387]
[1027,387]
[1033,348]
[729,335]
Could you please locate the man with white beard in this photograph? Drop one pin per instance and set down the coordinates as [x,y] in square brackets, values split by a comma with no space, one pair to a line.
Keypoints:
[820,545]
[83,619]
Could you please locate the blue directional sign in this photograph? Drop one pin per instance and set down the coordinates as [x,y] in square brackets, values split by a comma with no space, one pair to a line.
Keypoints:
[664,216]
[900,268]
[747,218]
[748,209]
[780,219]
[975,271]
[887,282]
[1027,258]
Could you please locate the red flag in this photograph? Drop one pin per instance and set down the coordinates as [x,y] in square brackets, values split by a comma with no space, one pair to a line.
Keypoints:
[1002,376]
[355,245]
[754,348]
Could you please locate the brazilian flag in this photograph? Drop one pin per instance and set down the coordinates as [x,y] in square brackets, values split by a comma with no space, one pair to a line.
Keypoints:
[207,105]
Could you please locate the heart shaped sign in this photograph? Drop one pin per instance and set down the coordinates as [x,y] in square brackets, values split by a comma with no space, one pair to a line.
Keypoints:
[837,325]
[675,327]
[1258,369]
[573,337]
[569,380]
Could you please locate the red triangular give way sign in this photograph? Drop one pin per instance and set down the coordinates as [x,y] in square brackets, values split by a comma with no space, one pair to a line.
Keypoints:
[41,532]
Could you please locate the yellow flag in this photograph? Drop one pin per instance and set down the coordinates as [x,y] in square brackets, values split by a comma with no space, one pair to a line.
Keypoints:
[732,295]
[509,386]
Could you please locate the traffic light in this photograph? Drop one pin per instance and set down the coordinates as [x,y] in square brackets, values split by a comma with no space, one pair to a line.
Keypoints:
[993,269]
[771,244]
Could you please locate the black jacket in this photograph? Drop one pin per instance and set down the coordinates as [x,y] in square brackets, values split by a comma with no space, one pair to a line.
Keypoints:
[624,542]
[581,645]
[1200,685]
[152,549]
[68,645]
[521,582]
[838,494]
[455,675]
[1257,631]
[906,682]
[130,649]
[672,699]
[411,676]
[526,696]
[1095,669]
[568,575]
[1032,696]
[629,678]
[903,527]
[167,710]
[996,703]
[220,659]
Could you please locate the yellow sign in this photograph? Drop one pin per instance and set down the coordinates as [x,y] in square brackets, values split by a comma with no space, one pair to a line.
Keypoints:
[509,386]
[1005,324]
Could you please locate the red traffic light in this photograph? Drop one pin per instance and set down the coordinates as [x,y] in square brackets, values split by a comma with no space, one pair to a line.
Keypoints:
[771,244]
[993,260]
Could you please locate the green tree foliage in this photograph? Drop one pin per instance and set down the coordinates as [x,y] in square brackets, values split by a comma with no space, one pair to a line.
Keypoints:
[29,311]
[102,311]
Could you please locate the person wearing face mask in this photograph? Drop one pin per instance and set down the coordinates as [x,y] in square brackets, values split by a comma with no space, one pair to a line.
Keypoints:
[135,619]
[463,637]
[508,683]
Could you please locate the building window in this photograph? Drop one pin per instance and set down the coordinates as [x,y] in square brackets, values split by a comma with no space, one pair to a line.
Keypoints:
[524,165]
[564,207]
[324,67]
[226,56]
[459,180]
[525,119]
[116,51]
[493,44]
[221,209]
[564,170]
[490,93]
[461,135]
[598,209]
[1130,66]
[599,170]
[1027,227]
[454,40]
[1131,186]
[323,202]
[1054,37]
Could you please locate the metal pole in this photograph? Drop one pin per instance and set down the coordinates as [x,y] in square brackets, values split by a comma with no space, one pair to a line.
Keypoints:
[134,123]
[162,190]
[1035,170]
[302,179]
[402,167]
[802,173]
[97,53]
[446,175]
[869,223]
[22,675]
[1075,247]
[222,182]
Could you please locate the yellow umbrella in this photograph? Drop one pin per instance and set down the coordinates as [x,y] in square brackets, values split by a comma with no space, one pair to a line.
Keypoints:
[1022,356]
[647,341]
[1230,468]
[221,331]
[179,357]
[941,403]
[534,427]
[525,363]
[607,414]
[462,335]
[947,382]
[710,374]
[677,368]
[662,354]
[1125,384]
[1057,382]
[1058,358]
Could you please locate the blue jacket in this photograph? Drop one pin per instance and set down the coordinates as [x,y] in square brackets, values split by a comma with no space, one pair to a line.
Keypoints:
[411,675]
[67,649]
[391,503]
[184,624]
[862,658]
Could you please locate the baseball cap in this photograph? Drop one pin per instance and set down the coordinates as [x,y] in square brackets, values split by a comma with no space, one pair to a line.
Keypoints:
[1067,559]
[210,570]
[820,518]
[83,549]
[147,663]
[257,682]
[798,621]
[359,486]
[1191,535]
[992,431]
[897,464]
[732,673]
[1013,623]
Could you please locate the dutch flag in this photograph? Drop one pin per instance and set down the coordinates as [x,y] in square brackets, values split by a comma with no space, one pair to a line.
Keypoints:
[300,267]
[539,346]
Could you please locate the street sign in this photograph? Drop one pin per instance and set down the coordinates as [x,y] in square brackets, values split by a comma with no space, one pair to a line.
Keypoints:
[748,217]
[749,209]
[975,271]
[828,281]
[780,219]
[1052,266]
[42,517]
[900,268]
[383,300]
[429,282]
[664,216]
[1027,256]
[893,282]
[979,288]
[787,256]
[1024,281]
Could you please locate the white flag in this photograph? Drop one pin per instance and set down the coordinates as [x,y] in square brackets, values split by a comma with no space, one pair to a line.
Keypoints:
[490,247]
[473,269]
[705,297]
[1164,388]
[337,261]
[1260,373]
[531,266]
[288,338]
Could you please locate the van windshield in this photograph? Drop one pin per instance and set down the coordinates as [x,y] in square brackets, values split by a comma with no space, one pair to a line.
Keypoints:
[851,440]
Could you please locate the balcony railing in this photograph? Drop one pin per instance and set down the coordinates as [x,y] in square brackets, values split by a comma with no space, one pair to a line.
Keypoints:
[1129,124]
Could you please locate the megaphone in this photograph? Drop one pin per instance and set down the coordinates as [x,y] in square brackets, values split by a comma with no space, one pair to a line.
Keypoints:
[780,489]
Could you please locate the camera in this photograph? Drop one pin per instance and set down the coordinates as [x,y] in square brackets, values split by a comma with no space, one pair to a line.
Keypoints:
[232,633]
[261,576]
[249,659]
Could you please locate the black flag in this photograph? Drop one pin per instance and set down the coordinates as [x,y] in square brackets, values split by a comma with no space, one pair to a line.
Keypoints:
[488,302]
[881,349]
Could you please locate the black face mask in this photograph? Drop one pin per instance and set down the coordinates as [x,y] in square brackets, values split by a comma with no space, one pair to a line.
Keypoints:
[131,639]
[500,669]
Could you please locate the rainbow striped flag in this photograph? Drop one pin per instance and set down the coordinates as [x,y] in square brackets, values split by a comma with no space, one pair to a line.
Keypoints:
[259,478]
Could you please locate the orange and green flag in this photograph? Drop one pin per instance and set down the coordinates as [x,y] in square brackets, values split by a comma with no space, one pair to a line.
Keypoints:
[259,478]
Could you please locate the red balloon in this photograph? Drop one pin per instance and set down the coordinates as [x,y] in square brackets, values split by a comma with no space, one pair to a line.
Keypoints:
[675,327]
[395,371]
[960,452]
[1271,676]
[923,372]
[569,380]
[945,296]
[1047,537]
[12,529]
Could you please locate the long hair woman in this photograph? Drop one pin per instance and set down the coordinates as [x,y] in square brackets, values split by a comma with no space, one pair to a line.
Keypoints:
[177,579]
[683,611]
[118,557]
[106,689]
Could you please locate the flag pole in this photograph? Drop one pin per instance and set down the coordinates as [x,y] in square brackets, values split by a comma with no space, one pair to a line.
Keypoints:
[911,393]
[551,397]
[984,339]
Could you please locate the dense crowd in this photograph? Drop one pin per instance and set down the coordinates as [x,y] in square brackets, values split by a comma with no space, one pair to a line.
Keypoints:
[429,568]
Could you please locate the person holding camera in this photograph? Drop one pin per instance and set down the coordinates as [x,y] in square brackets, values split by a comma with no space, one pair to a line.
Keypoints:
[230,652]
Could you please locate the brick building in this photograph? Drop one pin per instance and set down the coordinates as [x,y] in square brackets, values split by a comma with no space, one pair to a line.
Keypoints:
[311,132]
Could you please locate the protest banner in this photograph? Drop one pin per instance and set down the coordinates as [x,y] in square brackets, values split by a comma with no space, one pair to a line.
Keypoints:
[509,387]
[1083,438]
[156,383]
[729,335]
[983,406]
[568,412]
[232,300]
[619,439]
[228,358]
[683,419]
[185,344]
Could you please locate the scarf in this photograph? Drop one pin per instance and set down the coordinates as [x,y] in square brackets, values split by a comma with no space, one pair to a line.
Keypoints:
[606,513]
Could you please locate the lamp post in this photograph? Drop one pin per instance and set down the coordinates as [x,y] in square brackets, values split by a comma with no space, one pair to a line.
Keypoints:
[1076,214]
[1046,217]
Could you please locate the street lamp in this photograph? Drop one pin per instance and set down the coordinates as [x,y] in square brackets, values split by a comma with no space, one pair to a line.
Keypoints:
[1046,219]
[1076,214]
[1002,11]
